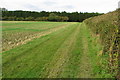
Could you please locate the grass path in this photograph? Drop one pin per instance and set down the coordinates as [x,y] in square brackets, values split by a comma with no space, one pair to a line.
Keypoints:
[65,53]
[85,64]
[62,55]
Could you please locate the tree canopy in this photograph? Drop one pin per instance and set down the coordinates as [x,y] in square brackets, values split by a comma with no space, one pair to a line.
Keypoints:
[20,15]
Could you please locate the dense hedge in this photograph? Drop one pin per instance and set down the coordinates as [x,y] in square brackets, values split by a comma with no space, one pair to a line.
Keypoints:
[107,27]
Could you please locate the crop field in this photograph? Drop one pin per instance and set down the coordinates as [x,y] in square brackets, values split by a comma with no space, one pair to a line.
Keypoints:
[15,33]
[49,50]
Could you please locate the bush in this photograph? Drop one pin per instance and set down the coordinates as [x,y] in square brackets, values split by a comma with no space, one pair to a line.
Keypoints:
[20,19]
[41,19]
[29,18]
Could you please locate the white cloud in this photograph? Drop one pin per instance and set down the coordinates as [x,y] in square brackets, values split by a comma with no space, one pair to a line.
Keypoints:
[61,5]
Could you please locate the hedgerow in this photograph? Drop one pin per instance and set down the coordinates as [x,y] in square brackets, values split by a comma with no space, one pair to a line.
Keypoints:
[107,27]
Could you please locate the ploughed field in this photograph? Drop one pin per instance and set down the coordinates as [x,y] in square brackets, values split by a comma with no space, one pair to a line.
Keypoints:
[48,50]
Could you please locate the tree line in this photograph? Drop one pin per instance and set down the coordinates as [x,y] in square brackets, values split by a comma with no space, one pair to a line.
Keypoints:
[20,15]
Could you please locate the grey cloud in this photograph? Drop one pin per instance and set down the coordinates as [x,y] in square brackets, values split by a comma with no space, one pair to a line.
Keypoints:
[49,3]
[68,7]
[32,7]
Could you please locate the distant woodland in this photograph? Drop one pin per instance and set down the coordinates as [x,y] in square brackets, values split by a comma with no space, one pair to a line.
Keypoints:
[20,15]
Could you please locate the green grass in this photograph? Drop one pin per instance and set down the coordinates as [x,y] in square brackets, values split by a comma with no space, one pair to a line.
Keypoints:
[15,32]
[34,53]
[70,52]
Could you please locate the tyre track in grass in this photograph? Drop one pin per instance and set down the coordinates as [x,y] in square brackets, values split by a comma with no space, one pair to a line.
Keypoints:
[85,66]
[39,72]
[33,57]
[61,56]
[79,64]
[71,68]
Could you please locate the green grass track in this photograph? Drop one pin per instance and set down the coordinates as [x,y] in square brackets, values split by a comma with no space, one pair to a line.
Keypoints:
[69,52]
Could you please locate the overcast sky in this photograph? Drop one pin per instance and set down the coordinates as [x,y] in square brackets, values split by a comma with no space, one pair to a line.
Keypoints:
[102,6]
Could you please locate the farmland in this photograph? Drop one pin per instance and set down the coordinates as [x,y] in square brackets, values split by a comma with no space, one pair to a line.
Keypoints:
[50,50]
[15,33]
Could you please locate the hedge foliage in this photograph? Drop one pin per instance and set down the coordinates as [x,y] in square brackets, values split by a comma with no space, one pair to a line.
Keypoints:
[107,27]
